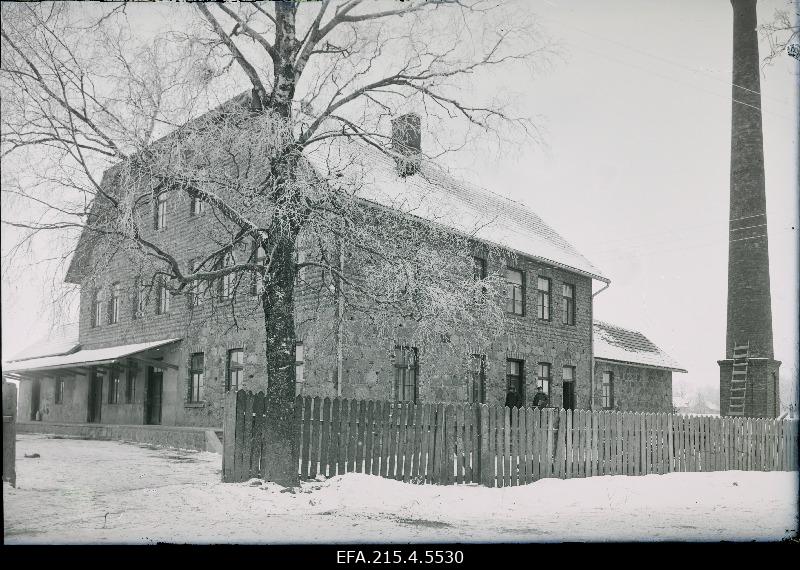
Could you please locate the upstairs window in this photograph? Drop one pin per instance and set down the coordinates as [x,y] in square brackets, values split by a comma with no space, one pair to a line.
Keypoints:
[59,397]
[259,258]
[139,304]
[543,301]
[196,373]
[515,290]
[97,308]
[113,304]
[405,373]
[476,380]
[160,221]
[608,390]
[197,289]
[478,268]
[568,304]
[196,206]
[226,283]
[164,298]
[543,379]
[235,369]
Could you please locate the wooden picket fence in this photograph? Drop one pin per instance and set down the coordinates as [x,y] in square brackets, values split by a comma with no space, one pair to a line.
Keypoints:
[498,446]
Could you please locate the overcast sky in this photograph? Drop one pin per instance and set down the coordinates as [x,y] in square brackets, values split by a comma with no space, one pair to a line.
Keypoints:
[635,171]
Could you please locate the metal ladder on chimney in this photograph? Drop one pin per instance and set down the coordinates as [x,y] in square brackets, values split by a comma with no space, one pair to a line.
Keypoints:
[738,388]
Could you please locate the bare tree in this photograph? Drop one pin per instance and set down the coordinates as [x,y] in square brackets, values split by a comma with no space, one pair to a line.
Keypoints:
[282,166]
[782,33]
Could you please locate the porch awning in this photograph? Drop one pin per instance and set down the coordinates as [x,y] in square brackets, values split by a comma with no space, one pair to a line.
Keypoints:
[82,358]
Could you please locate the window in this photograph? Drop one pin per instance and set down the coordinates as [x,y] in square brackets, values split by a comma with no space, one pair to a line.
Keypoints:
[164,297]
[130,381]
[59,390]
[139,301]
[568,305]
[568,391]
[197,289]
[235,369]
[543,302]
[113,304]
[97,308]
[405,373]
[476,380]
[226,284]
[543,380]
[114,385]
[196,206]
[299,364]
[515,285]
[260,257]
[515,388]
[479,268]
[196,369]
[160,221]
[608,390]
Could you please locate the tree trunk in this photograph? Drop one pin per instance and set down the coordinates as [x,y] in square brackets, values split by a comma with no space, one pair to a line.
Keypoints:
[278,304]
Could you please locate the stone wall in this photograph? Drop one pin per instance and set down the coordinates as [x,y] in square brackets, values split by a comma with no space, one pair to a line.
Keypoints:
[635,388]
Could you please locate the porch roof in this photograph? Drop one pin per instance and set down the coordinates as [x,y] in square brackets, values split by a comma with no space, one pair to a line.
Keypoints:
[81,358]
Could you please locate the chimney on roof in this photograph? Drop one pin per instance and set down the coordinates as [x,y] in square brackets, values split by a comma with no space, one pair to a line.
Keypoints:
[407,143]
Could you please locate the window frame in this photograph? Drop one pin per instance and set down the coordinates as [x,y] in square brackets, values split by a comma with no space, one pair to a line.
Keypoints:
[511,289]
[97,307]
[226,286]
[478,267]
[229,369]
[59,392]
[114,303]
[164,298]
[114,384]
[568,309]
[476,380]
[196,378]
[545,382]
[518,379]
[258,259]
[196,206]
[607,390]
[160,211]
[401,373]
[544,311]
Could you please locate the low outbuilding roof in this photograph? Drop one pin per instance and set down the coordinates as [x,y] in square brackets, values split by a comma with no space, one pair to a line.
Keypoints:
[627,346]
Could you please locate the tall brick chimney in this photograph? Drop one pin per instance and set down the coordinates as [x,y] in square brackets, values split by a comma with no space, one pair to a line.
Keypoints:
[407,143]
[749,374]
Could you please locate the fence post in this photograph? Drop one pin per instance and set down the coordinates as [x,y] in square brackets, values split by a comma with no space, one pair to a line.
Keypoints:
[228,436]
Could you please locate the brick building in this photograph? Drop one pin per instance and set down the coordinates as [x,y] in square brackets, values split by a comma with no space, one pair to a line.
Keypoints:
[144,356]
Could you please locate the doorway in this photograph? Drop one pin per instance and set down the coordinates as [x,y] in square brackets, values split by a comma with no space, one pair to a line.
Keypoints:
[152,404]
[95,397]
[569,395]
[36,397]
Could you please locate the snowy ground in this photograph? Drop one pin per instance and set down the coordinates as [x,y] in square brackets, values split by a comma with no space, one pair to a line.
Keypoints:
[82,491]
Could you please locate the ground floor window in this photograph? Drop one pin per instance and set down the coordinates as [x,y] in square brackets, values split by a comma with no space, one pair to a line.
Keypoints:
[476,379]
[114,385]
[196,373]
[608,390]
[405,373]
[515,387]
[59,390]
[543,380]
[235,369]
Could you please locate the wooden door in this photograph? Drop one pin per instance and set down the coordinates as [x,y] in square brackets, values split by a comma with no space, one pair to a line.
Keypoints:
[569,395]
[95,397]
[36,395]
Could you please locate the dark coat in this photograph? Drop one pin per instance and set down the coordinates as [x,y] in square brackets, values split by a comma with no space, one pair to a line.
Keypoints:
[540,400]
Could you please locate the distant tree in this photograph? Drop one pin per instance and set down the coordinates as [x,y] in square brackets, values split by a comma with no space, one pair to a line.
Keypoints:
[782,33]
[81,93]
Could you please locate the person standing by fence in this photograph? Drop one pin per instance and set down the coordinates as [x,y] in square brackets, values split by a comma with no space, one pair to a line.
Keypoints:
[540,399]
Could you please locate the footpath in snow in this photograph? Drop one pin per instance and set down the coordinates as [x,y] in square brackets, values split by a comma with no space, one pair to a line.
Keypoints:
[84,491]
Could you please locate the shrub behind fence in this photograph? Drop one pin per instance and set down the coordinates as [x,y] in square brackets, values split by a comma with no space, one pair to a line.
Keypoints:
[498,446]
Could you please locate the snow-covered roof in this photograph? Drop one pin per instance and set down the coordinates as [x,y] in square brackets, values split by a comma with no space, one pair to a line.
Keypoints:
[623,345]
[60,340]
[85,357]
[435,195]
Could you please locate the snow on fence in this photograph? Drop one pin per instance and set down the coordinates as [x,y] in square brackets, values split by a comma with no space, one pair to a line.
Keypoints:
[499,446]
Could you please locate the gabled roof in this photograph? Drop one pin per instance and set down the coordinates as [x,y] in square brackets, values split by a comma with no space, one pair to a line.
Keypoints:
[631,347]
[81,358]
[61,340]
[435,195]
